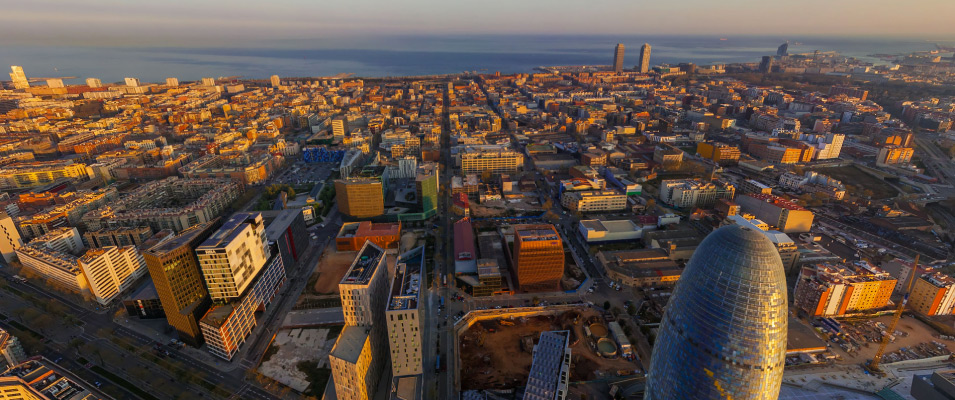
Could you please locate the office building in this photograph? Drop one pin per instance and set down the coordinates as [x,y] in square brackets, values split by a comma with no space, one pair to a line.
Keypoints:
[339,127]
[689,193]
[783,50]
[940,385]
[496,159]
[489,278]
[426,187]
[643,66]
[832,290]
[361,351]
[175,272]
[640,268]
[403,315]
[784,215]
[353,235]
[720,153]
[618,58]
[788,252]
[144,302]
[360,197]
[11,352]
[111,270]
[131,82]
[288,233]
[232,257]
[933,294]
[594,201]
[753,186]
[729,343]
[766,65]
[18,77]
[10,239]
[172,82]
[538,257]
[94,83]
[597,231]
[549,377]
[275,81]
[54,83]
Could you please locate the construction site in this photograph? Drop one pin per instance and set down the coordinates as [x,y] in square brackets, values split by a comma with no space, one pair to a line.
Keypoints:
[497,353]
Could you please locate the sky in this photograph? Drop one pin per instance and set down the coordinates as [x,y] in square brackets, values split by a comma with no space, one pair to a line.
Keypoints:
[240,22]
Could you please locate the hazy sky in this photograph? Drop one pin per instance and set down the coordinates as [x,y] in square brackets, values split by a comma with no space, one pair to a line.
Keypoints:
[200,22]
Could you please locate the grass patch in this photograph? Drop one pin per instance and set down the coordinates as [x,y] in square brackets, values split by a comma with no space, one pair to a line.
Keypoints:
[270,352]
[317,377]
[124,383]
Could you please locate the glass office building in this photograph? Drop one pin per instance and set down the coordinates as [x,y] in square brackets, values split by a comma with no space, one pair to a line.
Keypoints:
[723,335]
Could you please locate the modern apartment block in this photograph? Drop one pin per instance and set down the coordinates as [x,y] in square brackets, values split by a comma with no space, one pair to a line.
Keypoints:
[594,201]
[933,294]
[175,272]
[41,379]
[11,352]
[10,239]
[826,290]
[242,275]
[689,193]
[118,236]
[361,351]
[786,216]
[720,153]
[38,173]
[550,370]
[111,270]
[538,257]
[403,315]
[232,257]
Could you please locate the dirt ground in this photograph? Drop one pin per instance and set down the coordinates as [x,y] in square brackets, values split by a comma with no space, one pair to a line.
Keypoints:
[499,360]
[331,269]
[918,333]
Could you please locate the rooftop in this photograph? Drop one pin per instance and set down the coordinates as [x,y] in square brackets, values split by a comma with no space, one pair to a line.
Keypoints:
[363,268]
[407,282]
[777,201]
[536,232]
[350,343]
[231,229]
[182,239]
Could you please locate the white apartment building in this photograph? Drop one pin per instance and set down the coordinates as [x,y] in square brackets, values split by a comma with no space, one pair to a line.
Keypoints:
[111,270]
[10,239]
[403,315]
[234,255]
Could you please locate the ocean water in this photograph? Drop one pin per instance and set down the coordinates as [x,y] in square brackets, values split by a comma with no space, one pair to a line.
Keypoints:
[414,55]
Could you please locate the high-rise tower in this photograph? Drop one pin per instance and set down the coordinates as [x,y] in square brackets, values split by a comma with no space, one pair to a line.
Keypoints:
[723,335]
[644,65]
[618,58]
[18,77]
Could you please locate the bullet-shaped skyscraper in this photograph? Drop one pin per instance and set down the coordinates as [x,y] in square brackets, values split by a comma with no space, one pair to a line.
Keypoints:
[723,334]
[618,58]
[644,65]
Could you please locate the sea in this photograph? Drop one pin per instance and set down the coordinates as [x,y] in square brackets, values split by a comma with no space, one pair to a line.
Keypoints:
[419,55]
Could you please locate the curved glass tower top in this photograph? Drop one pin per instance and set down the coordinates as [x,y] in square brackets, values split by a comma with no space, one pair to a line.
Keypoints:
[723,335]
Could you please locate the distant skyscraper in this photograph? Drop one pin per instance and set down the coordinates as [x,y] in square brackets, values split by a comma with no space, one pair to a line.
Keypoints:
[208,82]
[644,65]
[94,83]
[54,83]
[723,334]
[172,82]
[783,50]
[18,77]
[766,66]
[276,81]
[133,82]
[618,58]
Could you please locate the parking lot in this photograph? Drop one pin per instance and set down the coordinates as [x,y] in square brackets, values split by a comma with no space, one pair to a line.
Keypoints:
[300,173]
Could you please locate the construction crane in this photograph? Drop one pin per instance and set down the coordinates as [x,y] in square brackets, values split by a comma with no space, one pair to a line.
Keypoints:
[873,365]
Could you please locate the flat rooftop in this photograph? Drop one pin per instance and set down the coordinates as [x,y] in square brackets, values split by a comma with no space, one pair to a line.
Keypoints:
[230,230]
[364,265]
[282,221]
[536,232]
[350,343]
[183,238]
[407,283]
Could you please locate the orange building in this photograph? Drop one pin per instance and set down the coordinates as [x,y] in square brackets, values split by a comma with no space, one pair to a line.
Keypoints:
[933,294]
[836,290]
[538,257]
[353,235]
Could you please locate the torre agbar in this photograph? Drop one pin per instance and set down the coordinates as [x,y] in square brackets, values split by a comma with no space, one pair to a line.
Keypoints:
[723,335]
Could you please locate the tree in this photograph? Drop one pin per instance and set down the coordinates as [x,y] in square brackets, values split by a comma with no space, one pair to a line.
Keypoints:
[607,305]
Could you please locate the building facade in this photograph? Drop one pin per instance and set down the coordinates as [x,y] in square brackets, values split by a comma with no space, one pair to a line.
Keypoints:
[403,315]
[538,257]
[360,197]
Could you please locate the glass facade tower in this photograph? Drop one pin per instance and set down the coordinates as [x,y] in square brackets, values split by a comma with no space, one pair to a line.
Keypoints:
[723,335]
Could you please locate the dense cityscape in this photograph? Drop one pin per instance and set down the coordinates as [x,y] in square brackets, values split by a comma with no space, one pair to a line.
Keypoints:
[781,228]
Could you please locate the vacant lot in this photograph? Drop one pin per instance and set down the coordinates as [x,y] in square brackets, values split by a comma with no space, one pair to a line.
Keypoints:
[493,357]
[853,176]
